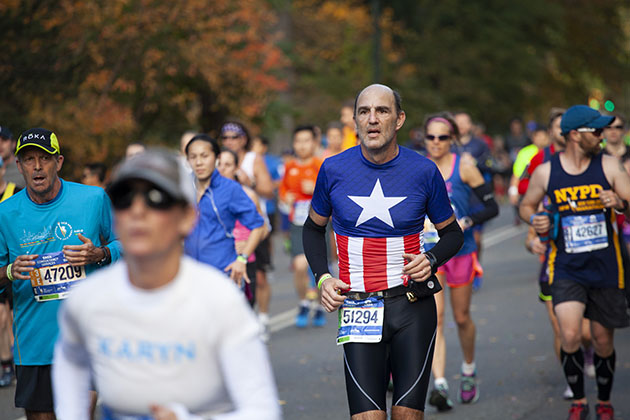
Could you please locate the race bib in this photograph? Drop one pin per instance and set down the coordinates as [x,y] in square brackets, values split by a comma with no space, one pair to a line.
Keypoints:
[584,233]
[361,321]
[54,276]
[300,212]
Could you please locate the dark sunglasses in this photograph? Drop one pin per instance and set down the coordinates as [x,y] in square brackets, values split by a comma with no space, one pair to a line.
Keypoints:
[153,198]
[431,137]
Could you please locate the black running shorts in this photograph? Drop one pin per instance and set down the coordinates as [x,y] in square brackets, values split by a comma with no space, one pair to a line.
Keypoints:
[406,350]
[263,254]
[604,305]
[33,390]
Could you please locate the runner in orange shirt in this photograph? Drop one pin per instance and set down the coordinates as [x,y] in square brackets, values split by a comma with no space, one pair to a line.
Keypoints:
[296,191]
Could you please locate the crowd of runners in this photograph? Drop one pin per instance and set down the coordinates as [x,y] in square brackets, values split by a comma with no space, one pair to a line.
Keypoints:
[111,288]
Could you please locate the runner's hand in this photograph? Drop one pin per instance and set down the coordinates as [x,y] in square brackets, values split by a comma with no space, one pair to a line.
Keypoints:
[541,223]
[84,254]
[331,298]
[418,268]
[610,199]
[537,247]
[23,263]
[238,272]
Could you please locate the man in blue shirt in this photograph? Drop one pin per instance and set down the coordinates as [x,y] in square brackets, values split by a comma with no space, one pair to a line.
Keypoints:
[53,234]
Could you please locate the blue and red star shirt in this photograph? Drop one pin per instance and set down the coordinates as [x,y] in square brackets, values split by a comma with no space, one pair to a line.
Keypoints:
[378,213]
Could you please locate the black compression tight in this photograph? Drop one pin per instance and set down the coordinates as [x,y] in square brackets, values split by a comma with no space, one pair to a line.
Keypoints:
[406,351]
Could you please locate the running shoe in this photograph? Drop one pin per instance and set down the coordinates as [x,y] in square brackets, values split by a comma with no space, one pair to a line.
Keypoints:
[589,366]
[568,393]
[319,320]
[578,411]
[468,390]
[604,412]
[301,320]
[439,398]
[6,379]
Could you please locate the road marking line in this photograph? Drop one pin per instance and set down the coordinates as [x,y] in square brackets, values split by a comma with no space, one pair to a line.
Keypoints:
[504,234]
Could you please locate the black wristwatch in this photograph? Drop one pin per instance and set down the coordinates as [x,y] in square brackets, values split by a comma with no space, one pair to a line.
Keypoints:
[107,257]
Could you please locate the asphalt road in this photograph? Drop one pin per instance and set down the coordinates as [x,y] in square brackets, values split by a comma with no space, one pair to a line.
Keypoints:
[518,373]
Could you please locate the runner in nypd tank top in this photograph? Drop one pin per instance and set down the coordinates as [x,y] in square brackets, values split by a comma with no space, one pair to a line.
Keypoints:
[586,248]
[459,194]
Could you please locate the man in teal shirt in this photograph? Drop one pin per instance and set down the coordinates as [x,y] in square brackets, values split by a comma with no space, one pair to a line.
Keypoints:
[52,234]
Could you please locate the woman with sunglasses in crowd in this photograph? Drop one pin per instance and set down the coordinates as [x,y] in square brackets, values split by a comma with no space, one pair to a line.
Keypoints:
[220,203]
[151,332]
[227,166]
[462,179]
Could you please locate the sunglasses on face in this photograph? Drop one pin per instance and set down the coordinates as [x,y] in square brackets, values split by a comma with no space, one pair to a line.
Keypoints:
[596,131]
[443,137]
[153,197]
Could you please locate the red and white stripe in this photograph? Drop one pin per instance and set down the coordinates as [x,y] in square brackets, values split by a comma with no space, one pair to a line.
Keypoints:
[374,264]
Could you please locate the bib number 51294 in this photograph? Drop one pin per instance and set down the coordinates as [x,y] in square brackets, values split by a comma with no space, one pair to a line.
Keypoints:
[361,321]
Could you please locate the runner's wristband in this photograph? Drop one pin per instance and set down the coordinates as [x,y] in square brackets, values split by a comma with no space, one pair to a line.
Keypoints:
[242,258]
[107,257]
[9,274]
[321,280]
[625,207]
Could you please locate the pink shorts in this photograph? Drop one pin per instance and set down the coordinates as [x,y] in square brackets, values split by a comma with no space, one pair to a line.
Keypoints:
[461,270]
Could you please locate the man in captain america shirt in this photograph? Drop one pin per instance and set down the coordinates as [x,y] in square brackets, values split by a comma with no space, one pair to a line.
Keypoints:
[378,195]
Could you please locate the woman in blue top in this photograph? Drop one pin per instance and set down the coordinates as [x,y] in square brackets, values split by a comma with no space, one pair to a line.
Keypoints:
[462,179]
[220,203]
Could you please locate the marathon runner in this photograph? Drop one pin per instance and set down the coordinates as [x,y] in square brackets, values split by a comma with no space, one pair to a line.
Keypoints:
[296,192]
[227,165]
[221,202]
[585,268]
[463,180]
[54,233]
[378,195]
[534,244]
[161,335]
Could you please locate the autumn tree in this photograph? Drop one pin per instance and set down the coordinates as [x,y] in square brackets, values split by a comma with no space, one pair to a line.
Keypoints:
[103,73]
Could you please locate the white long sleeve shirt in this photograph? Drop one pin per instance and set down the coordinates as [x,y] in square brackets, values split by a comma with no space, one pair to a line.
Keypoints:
[191,345]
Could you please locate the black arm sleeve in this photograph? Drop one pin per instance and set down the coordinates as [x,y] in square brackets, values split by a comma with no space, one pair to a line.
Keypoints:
[314,242]
[490,207]
[451,241]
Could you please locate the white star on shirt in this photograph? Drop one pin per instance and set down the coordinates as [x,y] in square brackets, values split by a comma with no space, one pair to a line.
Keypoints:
[376,205]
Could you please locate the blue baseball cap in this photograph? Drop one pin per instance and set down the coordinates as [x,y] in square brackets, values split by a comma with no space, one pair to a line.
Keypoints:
[583,116]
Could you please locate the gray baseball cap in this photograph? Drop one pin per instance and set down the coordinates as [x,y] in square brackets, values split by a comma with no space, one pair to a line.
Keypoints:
[161,168]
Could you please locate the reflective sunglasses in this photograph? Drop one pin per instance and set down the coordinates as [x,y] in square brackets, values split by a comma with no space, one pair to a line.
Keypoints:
[596,131]
[153,197]
[431,137]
